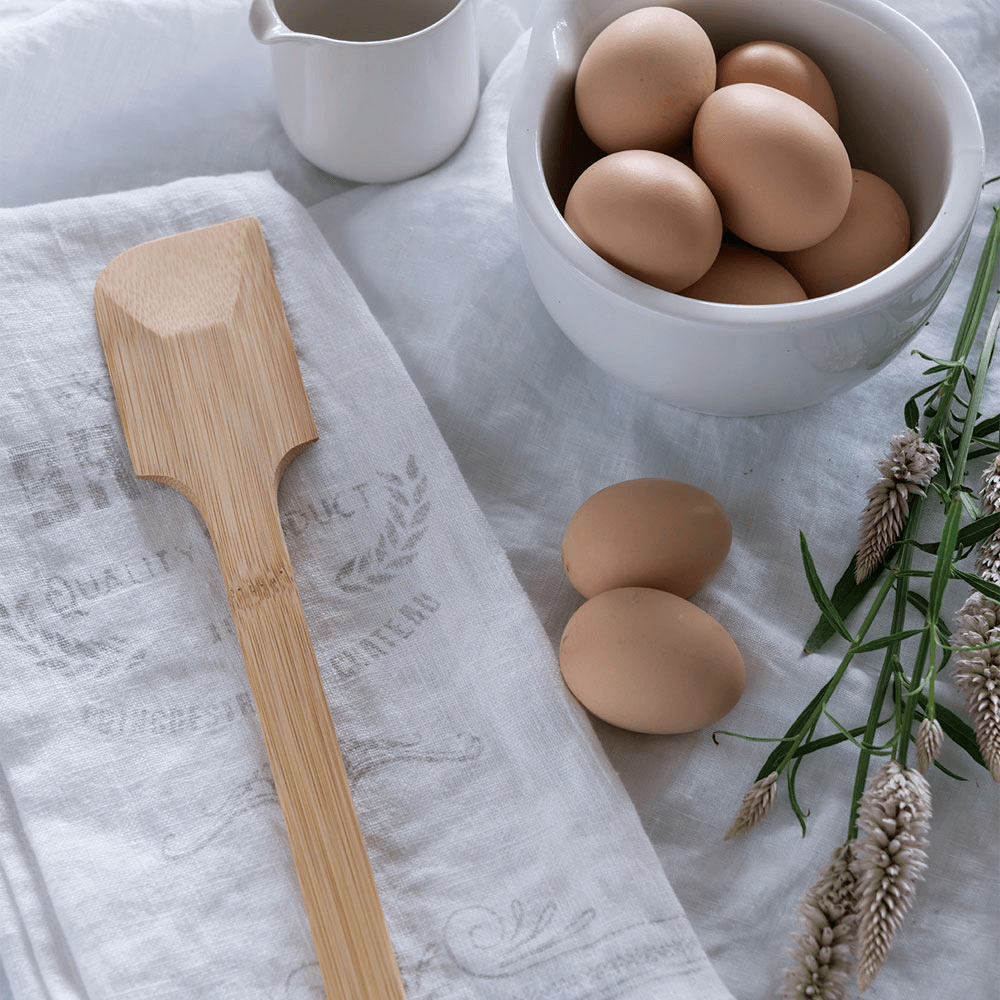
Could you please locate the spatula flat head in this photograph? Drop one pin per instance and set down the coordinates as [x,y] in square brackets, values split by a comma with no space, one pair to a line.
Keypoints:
[201,358]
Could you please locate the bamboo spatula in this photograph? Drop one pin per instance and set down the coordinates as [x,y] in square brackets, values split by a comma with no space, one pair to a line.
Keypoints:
[212,403]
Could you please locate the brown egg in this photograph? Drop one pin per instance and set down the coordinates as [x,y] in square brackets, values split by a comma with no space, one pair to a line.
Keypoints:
[778,170]
[642,80]
[743,275]
[650,661]
[781,66]
[649,215]
[646,533]
[874,233]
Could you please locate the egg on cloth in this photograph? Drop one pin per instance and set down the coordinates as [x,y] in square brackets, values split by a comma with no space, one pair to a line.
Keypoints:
[647,214]
[745,276]
[650,662]
[873,234]
[646,532]
[778,170]
[643,78]
[783,67]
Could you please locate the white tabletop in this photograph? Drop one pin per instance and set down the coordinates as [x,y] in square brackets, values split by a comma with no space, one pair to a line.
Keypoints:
[535,429]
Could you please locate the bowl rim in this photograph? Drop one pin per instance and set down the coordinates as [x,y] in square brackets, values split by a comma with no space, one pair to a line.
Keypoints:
[947,230]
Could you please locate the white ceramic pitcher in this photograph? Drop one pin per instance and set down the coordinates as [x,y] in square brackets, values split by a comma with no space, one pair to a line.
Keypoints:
[372,90]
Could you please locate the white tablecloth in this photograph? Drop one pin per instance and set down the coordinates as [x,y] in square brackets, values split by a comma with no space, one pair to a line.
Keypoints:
[99,96]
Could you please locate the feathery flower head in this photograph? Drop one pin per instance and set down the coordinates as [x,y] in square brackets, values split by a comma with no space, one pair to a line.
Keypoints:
[908,467]
[821,957]
[990,487]
[893,817]
[929,740]
[976,673]
[755,806]
[988,557]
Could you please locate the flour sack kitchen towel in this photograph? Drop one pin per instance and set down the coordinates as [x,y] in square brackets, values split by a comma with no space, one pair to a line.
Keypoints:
[142,849]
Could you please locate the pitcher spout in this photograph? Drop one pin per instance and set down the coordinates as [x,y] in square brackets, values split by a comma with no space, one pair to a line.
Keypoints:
[265,24]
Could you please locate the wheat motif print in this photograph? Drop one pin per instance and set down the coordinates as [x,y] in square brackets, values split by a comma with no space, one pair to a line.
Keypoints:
[407,510]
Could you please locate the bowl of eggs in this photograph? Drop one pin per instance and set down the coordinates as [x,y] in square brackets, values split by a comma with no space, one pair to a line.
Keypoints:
[740,208]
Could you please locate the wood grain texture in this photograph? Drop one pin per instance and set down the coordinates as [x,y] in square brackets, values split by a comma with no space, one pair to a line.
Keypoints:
[212,403]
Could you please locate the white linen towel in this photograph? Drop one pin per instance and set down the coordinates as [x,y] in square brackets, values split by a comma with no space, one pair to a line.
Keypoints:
[142,850]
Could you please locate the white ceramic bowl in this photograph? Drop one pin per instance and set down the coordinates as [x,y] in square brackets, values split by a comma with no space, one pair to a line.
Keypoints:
[906,114]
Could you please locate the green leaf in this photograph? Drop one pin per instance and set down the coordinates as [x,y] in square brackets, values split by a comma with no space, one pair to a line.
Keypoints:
[847,595]
[793,800]
[972,510]
[944,565]
[832,739]
[950,773]
[948,468]
[887,640]
[716,733]
[991,425]
[981,528]
[820,596]
[928,390]
[849,734]
[944,632]
[940,365]
[776,759]
[986,587]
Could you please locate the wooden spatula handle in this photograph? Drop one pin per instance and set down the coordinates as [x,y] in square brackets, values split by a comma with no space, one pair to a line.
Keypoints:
[348,926]
[212,403]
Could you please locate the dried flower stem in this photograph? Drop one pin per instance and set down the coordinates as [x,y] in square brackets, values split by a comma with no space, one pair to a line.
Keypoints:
[788,752]
[889,815]
[890,659]
[944,566]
